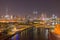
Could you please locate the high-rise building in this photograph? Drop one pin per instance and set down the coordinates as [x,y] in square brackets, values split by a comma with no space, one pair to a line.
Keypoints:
[43,17]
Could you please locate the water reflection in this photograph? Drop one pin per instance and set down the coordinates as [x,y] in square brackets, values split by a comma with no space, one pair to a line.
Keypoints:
[32,34]
[16,37]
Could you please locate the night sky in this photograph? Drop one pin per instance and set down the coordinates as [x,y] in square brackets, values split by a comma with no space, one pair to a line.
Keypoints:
[26,7]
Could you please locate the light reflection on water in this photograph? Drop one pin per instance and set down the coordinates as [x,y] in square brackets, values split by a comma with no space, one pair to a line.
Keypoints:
[16,37]
[36,34]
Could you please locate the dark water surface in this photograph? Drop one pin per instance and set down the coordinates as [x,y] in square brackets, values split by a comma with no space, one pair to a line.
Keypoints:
[32,34]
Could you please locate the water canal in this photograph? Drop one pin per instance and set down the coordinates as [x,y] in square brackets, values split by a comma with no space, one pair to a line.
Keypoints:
[32,34]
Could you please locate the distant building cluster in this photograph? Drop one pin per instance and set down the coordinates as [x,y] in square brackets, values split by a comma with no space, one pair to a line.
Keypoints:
[10,18]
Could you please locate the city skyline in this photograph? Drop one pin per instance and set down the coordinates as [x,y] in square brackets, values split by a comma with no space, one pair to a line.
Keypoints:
[26,7]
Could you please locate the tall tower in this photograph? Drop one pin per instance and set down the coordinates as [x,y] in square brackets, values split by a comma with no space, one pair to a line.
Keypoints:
[35,14]
[54,16]
[43,16]
[6,15]
[54,20]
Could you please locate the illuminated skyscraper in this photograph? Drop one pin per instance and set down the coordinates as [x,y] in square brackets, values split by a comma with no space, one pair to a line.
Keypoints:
[35,14]
[54,20]
[43,16]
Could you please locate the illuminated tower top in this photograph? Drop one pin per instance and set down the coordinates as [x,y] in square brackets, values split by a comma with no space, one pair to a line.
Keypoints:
[35,14]
[54,16]
[43,16]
